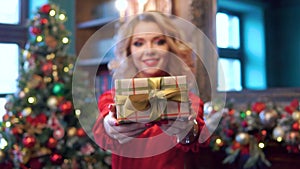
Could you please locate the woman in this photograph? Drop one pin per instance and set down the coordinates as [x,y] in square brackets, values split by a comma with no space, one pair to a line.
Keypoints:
[149,45]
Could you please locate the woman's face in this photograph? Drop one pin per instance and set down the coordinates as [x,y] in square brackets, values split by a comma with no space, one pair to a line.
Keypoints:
[149,48]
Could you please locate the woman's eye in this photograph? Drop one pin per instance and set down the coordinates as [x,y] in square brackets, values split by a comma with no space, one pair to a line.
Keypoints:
[161,42]
[137,44]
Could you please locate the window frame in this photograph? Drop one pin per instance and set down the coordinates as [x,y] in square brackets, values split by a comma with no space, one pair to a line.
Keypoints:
[16,33]
[231,53]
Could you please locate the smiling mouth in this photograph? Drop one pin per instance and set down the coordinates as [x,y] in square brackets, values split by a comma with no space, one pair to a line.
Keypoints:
[151,62]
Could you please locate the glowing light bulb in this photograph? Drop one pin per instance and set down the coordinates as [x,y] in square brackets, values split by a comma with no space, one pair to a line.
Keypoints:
[52,12]
[66,69]
[39,38]
[8,124]
[77,112]
[248,112]
[261,145]
[218,141]
[62,17]
[31,100]
[279,139]
[65,40]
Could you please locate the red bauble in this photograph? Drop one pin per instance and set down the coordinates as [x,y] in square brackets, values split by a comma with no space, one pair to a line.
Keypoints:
[58,133]
[52,142]
[258,107]
[44,21]
[5,117]
[296,126]
[56,158]
[29,141]
[80,132]
[35,31]
[47,68]
[66,107]
[46,8]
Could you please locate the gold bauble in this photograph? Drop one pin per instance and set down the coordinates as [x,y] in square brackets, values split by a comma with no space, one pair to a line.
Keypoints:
[296,115]
[72,131]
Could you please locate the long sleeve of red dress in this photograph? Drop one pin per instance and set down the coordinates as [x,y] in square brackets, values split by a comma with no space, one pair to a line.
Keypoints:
[149,154]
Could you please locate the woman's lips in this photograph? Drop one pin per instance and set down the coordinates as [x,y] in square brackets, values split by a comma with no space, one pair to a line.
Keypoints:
[151,62]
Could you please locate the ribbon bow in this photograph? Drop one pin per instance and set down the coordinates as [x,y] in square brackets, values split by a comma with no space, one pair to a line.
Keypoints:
[154,102]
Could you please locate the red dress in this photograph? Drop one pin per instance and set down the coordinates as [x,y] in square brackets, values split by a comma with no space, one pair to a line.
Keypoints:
[150,153]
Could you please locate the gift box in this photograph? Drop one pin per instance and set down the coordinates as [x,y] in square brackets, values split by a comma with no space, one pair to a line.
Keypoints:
[151,99]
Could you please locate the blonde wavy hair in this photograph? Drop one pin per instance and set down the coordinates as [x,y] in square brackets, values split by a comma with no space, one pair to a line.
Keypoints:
[123,67]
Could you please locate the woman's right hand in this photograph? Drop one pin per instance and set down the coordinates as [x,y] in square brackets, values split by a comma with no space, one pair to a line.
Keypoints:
[123,133]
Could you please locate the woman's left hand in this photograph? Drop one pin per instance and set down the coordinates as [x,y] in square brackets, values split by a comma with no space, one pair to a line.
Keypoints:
[180,128]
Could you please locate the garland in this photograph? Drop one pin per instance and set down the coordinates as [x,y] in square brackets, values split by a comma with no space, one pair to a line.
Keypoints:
[247,131]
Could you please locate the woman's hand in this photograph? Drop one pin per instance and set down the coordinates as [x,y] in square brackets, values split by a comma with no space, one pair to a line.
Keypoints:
[184,129]
[123,133]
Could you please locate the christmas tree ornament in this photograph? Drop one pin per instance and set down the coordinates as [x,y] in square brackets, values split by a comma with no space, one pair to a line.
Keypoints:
[35,31]
[44,21]
[278,133]
[58,89]
[29,141]
[296,115]
[80,132]
[242,138]
[59,133]
[26,111]
[296,126]
[56,158]
[45,8]
[72,131]
[47,68]
[258,107]
[52,102]
[268,118]
[51,143]
[293,137]
[66,107]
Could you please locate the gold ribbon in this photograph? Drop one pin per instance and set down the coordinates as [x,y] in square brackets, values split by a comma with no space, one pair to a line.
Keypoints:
[155,101]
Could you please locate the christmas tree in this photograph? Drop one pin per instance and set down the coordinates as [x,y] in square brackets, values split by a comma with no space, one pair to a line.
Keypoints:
[41,128]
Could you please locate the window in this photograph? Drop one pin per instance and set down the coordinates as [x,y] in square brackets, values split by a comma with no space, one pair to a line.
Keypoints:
[228,43]
[9,12]
[13,35]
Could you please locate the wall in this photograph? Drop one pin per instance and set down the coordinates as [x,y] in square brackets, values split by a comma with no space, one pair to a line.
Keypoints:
[283,50]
